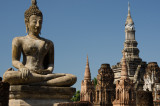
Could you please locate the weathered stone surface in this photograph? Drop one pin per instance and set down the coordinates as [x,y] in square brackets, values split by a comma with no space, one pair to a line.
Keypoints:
[36,102]
[151,76]
[156,103]
[152,80]
[25,95]
[144,98]
[81,103]
[104,92]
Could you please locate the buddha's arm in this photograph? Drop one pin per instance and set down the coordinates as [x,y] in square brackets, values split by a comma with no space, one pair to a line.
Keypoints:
[16,54]
[51,58]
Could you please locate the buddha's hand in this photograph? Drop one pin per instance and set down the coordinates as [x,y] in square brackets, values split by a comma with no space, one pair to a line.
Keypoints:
[25,72]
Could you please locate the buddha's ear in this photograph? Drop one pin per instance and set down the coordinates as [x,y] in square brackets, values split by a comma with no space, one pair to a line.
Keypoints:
[40,30]
[26,23]
[26,29]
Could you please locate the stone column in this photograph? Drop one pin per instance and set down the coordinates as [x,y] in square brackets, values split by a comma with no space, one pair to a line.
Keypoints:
[100,93]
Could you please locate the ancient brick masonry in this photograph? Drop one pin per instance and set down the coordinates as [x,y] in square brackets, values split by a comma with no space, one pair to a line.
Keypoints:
[144,76]
[131,75]
[125,93]
[4,93]
[130,49]
[152,80]
[104,92]
[87,86]
[144,98]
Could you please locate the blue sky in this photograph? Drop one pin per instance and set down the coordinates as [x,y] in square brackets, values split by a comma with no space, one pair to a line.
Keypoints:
[81,27]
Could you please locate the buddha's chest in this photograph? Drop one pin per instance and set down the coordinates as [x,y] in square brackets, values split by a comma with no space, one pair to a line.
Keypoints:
[35,47]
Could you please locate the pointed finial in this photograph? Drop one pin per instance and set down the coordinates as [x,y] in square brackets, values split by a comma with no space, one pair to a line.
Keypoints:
[87,74]
[129,9]
[129,19]
[124,72]
[87,59]
[34,2]
[128,6]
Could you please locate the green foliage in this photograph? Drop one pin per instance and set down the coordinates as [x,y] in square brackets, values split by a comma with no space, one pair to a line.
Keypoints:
[76,96]
[95,81]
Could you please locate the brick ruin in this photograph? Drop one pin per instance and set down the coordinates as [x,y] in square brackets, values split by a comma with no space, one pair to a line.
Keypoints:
[4,93]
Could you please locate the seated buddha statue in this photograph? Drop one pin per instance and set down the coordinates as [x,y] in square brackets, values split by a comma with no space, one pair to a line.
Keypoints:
[38,56]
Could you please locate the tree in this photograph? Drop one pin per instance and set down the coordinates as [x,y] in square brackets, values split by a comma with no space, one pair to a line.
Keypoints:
[76,96]
[95,81]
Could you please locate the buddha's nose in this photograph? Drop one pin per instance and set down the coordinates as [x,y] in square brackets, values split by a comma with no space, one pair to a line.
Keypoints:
[37,25]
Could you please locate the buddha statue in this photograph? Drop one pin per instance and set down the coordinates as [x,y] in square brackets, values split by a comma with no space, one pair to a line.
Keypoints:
[38,56]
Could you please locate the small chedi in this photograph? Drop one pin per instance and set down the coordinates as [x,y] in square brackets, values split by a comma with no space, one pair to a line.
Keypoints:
[102,93]
[125,94]
[34,84]
[87,86]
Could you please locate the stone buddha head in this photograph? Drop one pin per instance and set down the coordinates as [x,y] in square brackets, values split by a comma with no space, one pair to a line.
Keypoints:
[33,19]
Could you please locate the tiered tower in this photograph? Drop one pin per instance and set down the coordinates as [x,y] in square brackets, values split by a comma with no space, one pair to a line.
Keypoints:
[130,50]
[125,95]
[104,93]
[87,86]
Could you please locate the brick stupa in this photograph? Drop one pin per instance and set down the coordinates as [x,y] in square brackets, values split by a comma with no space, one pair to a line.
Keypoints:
[87,86]
[125,95]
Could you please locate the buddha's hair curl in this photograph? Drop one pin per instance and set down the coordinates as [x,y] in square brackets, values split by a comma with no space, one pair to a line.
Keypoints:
[33,10]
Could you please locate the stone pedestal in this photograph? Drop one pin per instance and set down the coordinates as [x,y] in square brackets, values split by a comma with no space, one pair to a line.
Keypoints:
[80,103]
[25,95]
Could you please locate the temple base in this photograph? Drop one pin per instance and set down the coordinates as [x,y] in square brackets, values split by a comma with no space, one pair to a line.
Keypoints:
[25,95]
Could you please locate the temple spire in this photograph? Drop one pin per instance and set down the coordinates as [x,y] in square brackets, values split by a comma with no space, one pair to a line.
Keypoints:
[124,72]
[87,74]
[129,19]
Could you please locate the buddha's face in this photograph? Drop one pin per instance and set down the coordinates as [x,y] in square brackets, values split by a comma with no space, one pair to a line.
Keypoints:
[35,24]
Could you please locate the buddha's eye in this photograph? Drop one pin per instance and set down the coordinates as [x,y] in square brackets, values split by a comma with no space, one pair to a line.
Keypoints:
[34,21]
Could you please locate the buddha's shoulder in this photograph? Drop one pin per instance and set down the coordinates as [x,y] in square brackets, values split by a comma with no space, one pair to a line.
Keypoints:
[47,41]
[18,39]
